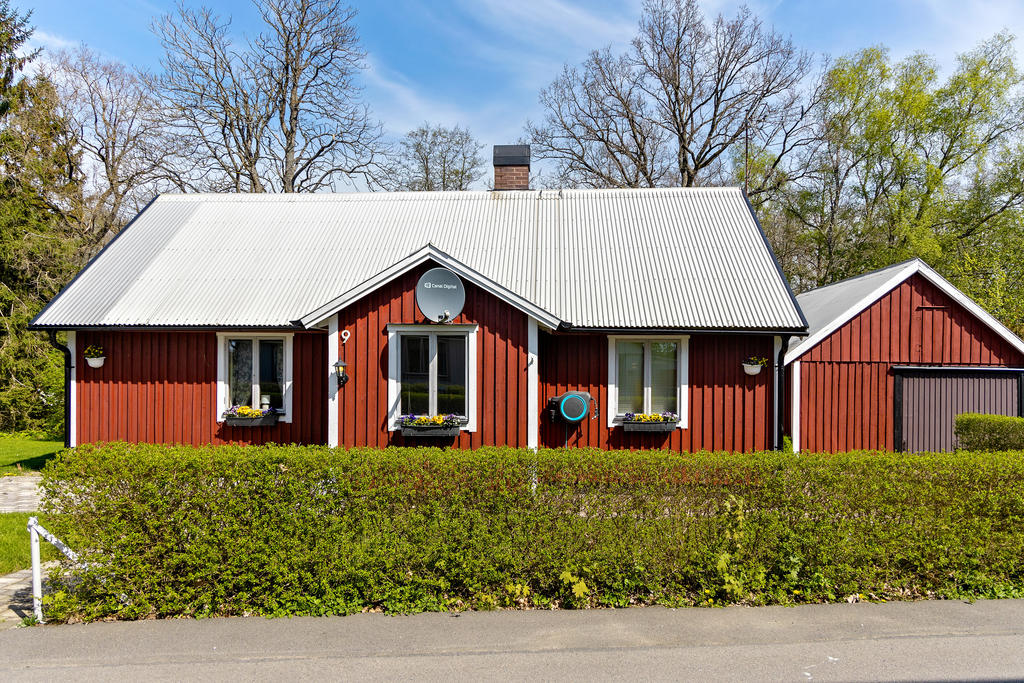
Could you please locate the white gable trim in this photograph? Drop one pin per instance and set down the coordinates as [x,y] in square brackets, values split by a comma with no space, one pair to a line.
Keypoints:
[428,253]
[912,268]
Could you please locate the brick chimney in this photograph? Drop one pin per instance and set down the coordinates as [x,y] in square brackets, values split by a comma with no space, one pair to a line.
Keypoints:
[511,167]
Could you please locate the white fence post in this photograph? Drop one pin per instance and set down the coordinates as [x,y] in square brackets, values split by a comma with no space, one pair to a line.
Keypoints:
[37,570]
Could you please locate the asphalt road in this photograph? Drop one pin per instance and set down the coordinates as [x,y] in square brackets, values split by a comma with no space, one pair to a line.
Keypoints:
[896,641]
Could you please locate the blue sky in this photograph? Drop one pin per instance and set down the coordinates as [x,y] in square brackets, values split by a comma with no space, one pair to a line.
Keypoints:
[481,63]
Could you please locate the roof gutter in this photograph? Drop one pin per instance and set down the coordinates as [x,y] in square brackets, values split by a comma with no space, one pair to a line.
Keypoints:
[783,331]
[170,328]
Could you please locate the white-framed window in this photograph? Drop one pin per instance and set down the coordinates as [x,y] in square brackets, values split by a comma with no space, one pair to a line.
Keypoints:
[648,375]
[432,371]
[254,370]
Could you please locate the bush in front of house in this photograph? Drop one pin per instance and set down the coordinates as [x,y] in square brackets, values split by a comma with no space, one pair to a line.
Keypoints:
[288,530]
[976,432]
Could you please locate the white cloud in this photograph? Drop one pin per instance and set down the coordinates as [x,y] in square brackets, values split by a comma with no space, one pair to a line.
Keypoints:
[959,25]
[50,41]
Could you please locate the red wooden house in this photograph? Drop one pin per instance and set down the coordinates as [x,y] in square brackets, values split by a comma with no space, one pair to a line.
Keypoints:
[891,358]
[613,302]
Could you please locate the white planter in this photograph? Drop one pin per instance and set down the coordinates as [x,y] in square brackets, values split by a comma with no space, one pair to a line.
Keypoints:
[752,368]
[96,362]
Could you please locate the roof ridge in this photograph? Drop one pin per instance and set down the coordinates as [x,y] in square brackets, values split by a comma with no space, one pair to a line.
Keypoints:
[438,194]
[876,271]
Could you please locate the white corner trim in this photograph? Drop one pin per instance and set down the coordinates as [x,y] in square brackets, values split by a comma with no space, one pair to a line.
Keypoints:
[333,437]
[915,266]
[222,369]
[795,416]
[777,398]
[682,377]
[73,391]
[532,386]
[394,367]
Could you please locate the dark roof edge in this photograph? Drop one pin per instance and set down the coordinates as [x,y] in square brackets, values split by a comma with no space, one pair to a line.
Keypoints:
[780,331]
[775,260]
[33,327]
[32,324]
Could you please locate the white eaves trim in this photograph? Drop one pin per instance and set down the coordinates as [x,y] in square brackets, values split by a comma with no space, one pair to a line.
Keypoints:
[428,253]
[912,268]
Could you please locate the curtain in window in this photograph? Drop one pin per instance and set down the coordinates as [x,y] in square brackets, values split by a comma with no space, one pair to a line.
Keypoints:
[240,371]
[664,382]
[631,376]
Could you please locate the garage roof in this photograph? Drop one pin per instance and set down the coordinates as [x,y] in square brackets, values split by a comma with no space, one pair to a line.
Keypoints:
[638,258]
[829,308]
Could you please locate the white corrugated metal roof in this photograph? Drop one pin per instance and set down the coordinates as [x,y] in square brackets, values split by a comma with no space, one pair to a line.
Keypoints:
[656,258]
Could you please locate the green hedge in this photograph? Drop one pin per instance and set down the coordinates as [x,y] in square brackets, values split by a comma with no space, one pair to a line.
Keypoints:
[975,432]
[294,530]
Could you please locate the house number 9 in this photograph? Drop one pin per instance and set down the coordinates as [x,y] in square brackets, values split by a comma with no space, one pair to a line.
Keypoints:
[345,334]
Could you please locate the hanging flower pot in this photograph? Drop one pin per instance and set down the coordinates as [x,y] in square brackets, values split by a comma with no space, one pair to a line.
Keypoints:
[752,366]
[95,356]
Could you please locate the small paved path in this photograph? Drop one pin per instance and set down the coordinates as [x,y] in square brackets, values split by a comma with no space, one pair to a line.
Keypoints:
[20,493]
[15,598]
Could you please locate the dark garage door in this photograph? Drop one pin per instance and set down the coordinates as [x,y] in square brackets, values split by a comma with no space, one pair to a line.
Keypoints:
[931,400]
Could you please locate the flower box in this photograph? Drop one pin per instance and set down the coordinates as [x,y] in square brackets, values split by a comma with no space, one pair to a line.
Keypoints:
[430,430]
[752,368]
[96,362]
[633,426]
[261,421]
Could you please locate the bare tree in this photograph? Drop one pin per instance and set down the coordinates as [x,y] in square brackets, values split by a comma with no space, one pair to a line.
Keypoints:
[118,127]
[281,113]
[433,158]
[668,111]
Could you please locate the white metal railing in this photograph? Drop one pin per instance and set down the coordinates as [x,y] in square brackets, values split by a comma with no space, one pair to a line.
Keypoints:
[35,530]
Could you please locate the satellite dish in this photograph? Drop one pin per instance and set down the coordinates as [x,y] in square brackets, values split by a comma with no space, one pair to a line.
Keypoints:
[440,295]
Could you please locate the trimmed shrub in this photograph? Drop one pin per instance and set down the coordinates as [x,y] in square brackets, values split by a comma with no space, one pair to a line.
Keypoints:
[976,432]
[278,530]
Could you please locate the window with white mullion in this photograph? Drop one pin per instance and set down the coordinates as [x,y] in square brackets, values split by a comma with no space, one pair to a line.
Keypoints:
[647,375]
[434,373]
[254,370]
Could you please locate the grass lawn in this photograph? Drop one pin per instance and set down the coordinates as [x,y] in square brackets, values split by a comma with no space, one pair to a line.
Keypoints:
[14,543]
[30,453]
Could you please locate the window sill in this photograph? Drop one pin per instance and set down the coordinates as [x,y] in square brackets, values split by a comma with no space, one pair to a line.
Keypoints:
[649,426]
[280,418]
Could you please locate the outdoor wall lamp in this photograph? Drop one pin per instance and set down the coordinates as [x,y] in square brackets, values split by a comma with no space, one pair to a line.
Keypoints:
[339,369]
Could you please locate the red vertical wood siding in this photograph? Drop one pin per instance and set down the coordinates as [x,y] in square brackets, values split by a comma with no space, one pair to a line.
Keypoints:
[728,410]
[501,366]
[161,387]
[847,382]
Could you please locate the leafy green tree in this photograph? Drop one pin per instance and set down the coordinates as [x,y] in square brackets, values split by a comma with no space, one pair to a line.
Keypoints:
[903,165]
[39,196]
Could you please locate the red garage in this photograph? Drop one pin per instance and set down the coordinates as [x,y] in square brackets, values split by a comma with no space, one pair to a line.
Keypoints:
[891,358]
[607,318]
